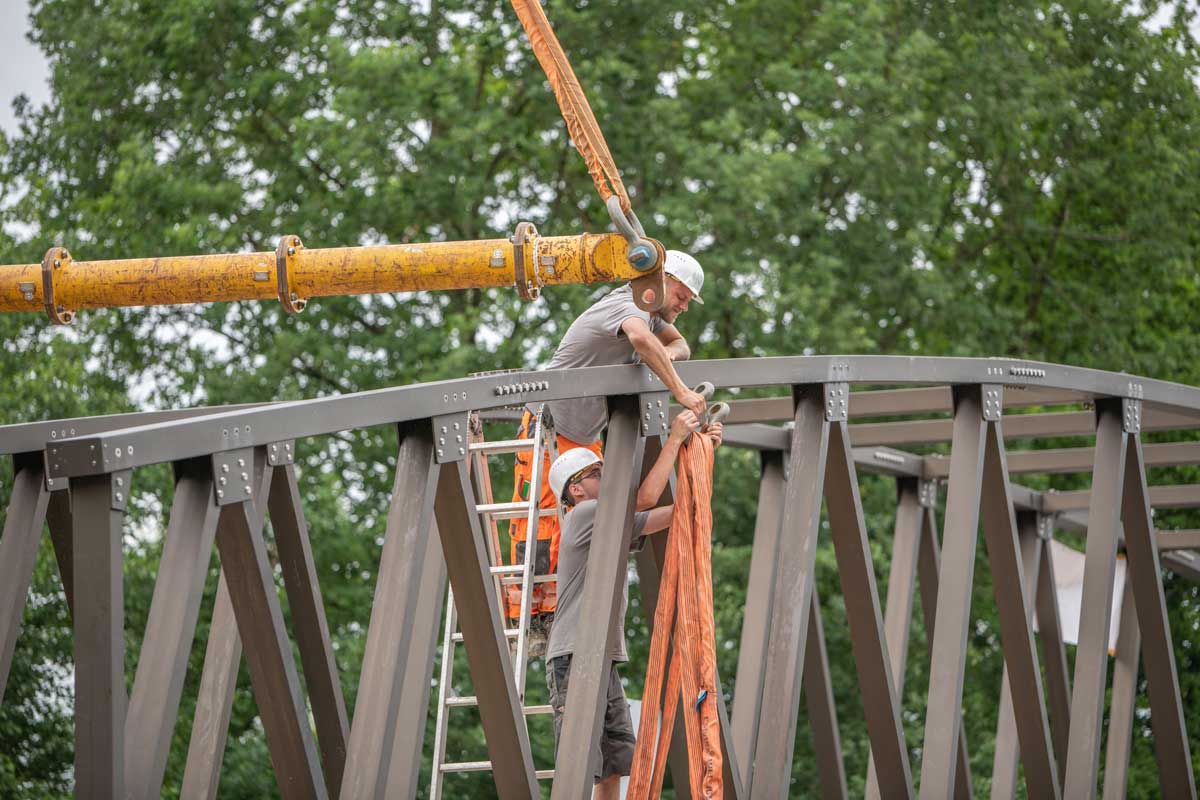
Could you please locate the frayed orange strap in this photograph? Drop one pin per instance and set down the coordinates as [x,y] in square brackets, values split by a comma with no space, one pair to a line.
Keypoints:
[685,615]
[581,122]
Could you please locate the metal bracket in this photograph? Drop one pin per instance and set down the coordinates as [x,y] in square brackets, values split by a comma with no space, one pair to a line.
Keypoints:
[654,407]
[927,494]
[1131,415]
[280,453]
[122,486]
[527,286]
[837,401]
[993,401]
[285,259]
[57,259]
[231,475]
[450,436]
[1045,527]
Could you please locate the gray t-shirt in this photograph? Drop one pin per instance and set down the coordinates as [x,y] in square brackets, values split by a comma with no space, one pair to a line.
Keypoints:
[595,339]
[573,550]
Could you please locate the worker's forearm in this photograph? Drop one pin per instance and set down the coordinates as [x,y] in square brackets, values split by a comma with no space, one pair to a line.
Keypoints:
[656,479]
[655,356]
[679,350]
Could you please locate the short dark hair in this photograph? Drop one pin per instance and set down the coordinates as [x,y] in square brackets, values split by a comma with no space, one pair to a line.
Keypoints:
[567,498]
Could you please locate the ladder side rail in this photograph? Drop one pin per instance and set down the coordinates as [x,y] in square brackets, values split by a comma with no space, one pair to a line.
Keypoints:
[531,539]
[444,688]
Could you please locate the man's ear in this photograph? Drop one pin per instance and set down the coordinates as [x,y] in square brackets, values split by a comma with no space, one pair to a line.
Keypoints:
[576,492]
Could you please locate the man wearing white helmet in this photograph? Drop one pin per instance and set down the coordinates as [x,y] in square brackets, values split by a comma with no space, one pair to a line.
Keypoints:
[613,331]
[575,480]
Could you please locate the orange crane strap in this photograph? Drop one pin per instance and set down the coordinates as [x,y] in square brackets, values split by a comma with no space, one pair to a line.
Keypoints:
[576,112]
[684,615]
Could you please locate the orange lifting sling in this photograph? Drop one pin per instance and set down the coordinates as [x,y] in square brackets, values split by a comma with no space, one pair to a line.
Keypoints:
[685,608]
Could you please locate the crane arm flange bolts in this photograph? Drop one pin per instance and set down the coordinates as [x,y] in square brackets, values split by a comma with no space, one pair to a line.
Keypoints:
[285,257]
[527,285]
[56,260]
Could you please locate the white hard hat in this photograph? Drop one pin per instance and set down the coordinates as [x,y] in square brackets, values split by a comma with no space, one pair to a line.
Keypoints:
[686,270]
[568,465]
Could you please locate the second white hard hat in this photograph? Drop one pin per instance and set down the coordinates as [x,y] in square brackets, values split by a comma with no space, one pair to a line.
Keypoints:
[568,465]
[686,270]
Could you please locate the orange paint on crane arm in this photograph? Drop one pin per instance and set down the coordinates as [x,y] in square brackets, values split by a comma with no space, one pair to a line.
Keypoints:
[316,272]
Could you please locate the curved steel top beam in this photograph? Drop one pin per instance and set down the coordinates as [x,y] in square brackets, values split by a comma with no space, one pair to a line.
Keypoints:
[187,438]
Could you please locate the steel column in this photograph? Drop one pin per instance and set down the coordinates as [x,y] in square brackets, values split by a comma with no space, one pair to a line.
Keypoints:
[928,570]
[214,699]
[1015,613]
[1091,656]
[756,633]
[1004,759]
[99,639]
[413,706]
[308,619]
[58,520]
[606,569]
[162,666]
[488,655]
[1054,653]
[1124,701]
[902,579]
[943,717]
[268,653]
[1175,775]
[222,662]
[770,773]
[822,711]
[18,553]
[405,546]
[861,596]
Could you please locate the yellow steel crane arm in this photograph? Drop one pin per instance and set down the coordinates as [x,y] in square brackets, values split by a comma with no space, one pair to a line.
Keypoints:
[294,274]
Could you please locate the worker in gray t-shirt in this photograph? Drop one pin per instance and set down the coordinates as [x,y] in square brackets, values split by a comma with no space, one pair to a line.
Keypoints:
[613,331]
[575,479]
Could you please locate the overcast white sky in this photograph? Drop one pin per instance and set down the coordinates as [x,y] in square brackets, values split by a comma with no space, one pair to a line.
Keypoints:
[23,70]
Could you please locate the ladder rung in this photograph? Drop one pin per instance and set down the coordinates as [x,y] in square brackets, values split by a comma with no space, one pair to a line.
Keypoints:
[508,632]
[536,579]
[511,510]
[508,569]
[485,766]
[502,446]
[470,701]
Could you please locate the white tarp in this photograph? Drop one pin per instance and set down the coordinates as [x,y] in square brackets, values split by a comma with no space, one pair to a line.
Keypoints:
[1068,584]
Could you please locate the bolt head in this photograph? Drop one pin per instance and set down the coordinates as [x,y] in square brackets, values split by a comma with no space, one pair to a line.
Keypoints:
[220,493]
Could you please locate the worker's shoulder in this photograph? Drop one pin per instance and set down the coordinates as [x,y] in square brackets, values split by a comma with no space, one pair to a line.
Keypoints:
[582,512]
[579,519]
[622,294]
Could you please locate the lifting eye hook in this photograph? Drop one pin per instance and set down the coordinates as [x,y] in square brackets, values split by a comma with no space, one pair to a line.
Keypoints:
[642,254]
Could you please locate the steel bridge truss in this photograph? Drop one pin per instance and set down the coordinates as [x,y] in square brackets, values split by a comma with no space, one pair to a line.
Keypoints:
[234,466]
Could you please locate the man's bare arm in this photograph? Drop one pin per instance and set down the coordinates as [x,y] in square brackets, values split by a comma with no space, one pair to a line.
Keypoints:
[659,519]
[655,356]
[677,346]
[656,479]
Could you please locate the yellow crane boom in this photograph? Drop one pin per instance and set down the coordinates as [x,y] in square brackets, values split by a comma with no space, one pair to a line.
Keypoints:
[293,274]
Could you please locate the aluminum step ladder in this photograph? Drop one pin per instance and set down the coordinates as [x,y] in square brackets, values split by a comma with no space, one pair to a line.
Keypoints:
[541,441]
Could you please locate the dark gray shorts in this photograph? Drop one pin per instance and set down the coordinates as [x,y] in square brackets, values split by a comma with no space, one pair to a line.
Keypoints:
[614,751]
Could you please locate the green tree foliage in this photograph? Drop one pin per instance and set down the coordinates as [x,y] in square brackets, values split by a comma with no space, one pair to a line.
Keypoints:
[1010,179]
